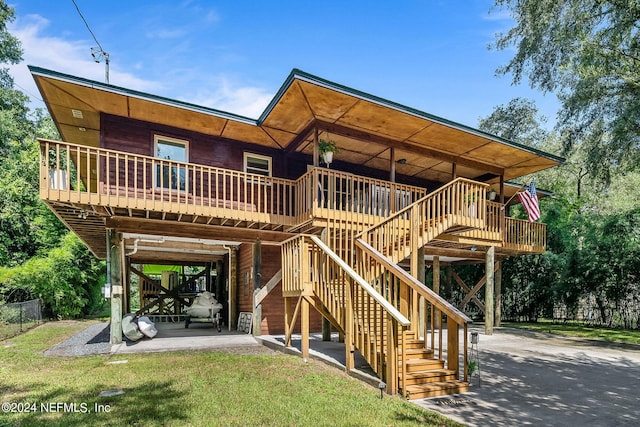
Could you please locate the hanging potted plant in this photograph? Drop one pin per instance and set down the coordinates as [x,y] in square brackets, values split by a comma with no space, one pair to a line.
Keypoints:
[492,194]
[327,148]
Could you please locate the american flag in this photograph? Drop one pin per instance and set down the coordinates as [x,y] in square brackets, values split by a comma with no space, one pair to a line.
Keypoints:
[529,200]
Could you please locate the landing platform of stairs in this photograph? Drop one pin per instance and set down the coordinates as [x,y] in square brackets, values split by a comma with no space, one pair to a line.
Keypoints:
[330,352]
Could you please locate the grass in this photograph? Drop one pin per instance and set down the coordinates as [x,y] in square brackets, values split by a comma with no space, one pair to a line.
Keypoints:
[628,336]
[189,389]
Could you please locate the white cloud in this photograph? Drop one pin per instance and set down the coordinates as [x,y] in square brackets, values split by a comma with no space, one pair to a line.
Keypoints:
[65,56]
[166,34]
[224,95]
[74,57]
[212,17]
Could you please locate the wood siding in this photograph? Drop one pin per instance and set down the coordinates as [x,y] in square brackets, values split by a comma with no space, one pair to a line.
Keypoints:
[135,136]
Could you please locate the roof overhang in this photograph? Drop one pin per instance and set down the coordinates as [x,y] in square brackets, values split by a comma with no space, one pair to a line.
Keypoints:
[365,128]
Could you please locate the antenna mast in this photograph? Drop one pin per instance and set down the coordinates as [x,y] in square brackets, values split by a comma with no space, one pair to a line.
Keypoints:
[98,55]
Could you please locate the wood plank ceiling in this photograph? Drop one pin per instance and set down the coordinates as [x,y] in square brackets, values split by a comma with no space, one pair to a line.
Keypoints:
[363,126]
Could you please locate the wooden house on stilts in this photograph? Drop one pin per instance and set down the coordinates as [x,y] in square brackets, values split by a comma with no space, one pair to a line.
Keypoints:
[255,211]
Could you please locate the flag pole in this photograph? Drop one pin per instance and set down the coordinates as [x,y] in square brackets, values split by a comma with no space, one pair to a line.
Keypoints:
[515,194]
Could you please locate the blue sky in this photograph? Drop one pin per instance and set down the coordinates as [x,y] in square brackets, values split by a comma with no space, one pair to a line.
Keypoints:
[234,55]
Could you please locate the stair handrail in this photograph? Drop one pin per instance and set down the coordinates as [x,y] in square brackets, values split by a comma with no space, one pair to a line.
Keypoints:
[440,303]
[390,309]
[407,208]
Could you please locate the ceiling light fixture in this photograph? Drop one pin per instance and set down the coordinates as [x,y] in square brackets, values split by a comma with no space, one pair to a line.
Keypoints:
[402,161]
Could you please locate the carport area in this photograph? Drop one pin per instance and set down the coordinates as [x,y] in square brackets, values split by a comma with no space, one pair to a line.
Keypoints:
[173,336]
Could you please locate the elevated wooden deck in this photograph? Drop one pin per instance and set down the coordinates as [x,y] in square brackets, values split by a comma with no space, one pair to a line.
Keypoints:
[91,188]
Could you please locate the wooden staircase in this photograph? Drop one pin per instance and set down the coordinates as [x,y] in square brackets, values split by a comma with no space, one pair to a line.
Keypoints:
[426,375]
[376,302]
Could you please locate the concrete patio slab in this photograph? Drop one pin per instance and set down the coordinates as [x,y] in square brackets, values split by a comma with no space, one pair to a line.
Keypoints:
[175,337]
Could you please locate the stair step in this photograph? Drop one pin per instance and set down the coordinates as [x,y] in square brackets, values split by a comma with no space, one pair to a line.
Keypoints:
[417,365]
[417,353]
[435,389]
[411,344]
[414,343]
[430,376]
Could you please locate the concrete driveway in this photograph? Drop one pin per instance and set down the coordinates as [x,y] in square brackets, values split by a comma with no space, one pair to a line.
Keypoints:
[543,380]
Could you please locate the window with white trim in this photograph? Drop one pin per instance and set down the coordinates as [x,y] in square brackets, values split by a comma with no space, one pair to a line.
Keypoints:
[257,164]
[168,174]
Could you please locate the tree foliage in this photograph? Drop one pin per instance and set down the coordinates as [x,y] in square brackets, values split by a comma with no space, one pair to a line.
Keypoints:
[39,258]
[590,269]
[587,52]
[64,279]
[519,121]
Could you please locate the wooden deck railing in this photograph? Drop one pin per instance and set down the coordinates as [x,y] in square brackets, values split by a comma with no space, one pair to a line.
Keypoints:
[371,323]
[401,290]
[518,235]
[325,193]
[525,236]
[87,175]
[460,204]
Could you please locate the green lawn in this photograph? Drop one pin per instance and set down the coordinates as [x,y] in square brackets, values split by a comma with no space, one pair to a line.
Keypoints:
[581,331]
[187,389]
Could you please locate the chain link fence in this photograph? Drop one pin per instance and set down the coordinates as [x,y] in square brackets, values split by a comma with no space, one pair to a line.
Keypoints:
[18,317]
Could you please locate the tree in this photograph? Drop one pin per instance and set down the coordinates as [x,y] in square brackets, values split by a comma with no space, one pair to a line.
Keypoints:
[13,111]
[588,52]
[518,121]
[10,50]
[66,278]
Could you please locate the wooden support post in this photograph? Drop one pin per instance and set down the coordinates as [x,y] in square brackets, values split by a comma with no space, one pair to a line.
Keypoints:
[304,328]
[207,278]
[488,294]
[392,178]
[256,319]
[326,329]
[503,212]
[220,282]
[233,288]
[405,296]
[498,284]
[392,166]
[257,284]
[453,346]
[326,325]
[316,149]
[127,287]
[288,321]
[115,277]
[420,309]
[436,316]
[257,264]
[348,328]
[392,356]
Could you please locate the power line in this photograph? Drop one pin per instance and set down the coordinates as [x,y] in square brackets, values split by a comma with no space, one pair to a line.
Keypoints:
[98,54]
[87,24]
